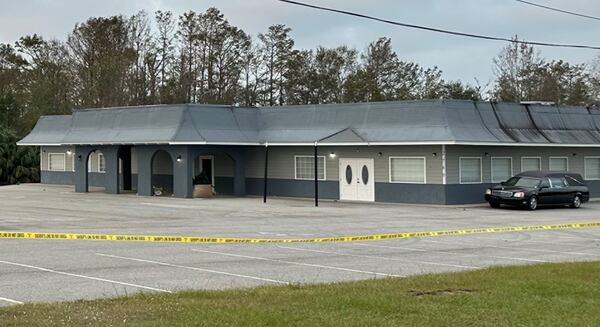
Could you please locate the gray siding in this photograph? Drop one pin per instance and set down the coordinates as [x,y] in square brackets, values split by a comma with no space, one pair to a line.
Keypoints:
[454,152]
[281,160]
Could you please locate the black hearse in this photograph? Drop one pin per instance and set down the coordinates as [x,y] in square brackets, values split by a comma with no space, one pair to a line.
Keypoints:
[534,188]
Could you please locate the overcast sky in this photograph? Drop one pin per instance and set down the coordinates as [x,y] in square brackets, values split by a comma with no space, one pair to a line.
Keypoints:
[458,57]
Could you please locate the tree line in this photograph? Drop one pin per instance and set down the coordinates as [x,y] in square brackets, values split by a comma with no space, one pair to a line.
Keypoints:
[199,57]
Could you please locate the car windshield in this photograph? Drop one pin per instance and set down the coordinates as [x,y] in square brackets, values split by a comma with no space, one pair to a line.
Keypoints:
[523,182]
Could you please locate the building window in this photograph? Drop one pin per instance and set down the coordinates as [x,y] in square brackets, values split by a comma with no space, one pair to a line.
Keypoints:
[101,163]
[407,170]
[592,167]
[531,163]
[305,167]
[56,162]
[470,170]
[501,169]
[559,163]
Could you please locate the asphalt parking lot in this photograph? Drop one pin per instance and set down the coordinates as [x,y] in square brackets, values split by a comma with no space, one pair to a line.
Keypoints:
[42,270]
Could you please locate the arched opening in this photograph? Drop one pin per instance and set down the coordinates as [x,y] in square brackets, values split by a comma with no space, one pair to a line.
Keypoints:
[96,169]
[213,174]
[162,174]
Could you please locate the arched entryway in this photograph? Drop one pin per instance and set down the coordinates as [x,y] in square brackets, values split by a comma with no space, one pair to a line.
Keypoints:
[95,170]
[162,173]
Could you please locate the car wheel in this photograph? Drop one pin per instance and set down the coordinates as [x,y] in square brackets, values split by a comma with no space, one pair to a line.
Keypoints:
[533,203]
[494,204]
[576,202]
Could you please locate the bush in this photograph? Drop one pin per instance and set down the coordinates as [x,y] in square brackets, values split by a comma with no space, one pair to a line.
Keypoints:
[18,164]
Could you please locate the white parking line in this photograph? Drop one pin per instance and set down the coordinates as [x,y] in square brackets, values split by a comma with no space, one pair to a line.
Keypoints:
[511,248]
[379,257]
[531,241]
[451,252]
[299,263]
[193,268]
[83,276]
[10,300]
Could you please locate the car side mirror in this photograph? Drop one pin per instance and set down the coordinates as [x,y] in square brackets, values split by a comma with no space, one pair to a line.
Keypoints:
[502,183]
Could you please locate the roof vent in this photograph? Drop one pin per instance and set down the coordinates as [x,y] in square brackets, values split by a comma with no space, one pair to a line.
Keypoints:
[541,103]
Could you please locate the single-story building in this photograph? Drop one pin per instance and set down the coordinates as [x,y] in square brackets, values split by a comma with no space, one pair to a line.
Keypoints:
[431,151]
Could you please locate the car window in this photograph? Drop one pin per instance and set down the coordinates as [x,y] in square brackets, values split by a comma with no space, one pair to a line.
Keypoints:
[575,180]
[545,183]
[557,182]
[523,181]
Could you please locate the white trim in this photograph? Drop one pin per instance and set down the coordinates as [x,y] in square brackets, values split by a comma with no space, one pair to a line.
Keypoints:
[558,157]
[100,156]
[593,145]
[512,172]
[64,155]
[404,182]
[460,170]
[585,170]
[539,159]
[310,179]
[72,161]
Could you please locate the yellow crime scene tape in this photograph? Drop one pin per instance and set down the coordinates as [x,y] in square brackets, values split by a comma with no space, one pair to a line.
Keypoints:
[201,239]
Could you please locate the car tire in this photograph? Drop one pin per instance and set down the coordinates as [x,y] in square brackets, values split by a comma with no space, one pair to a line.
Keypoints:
[532,204]
[494,204]
[576,202]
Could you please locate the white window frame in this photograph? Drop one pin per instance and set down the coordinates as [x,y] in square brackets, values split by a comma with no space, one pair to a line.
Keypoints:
[512,172]
[585,170]
[309,156]
[73,161]
[460,170]
[64,161]
[100,157]
[402,157]
[539,159]
[558,157]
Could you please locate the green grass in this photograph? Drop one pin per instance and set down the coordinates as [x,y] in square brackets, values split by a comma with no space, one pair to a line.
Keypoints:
[538,295]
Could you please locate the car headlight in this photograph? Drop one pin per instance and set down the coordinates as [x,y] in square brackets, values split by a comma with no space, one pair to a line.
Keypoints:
[488,191]
[519,195]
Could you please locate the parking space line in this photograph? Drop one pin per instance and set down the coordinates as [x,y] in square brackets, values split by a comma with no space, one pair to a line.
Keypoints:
[531,241]
[379,257]
[451,252]
[84,277]
[166,264]
[512,248]
[5,299]
[300,263]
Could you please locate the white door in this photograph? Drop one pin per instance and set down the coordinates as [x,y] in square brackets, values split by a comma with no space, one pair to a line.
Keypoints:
[357,180]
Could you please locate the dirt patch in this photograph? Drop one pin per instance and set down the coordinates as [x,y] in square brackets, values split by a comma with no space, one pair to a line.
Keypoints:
[446,291]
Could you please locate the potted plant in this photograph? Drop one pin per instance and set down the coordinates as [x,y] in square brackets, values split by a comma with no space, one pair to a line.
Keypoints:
[202,186]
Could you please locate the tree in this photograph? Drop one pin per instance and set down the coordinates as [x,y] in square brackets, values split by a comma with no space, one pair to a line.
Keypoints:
[460,91]
[165,39]
[516,69]
[276,46]
[102,57]
[17,164]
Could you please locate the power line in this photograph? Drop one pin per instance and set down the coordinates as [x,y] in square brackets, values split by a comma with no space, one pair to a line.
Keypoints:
[558,10]
[439,30]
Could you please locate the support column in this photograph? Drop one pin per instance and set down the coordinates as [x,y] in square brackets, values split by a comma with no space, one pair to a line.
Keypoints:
[182,172]
[111,175]
[81,174]
[316,176]
[266,174]
[144,165]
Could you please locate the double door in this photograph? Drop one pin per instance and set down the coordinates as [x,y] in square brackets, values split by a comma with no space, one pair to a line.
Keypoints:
[357,179]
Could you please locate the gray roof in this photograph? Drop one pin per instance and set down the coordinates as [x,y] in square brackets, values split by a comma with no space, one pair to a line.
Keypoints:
[399,122]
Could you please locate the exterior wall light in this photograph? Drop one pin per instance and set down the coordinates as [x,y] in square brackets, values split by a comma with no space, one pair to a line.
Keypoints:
[434,154]
[69,152]
[379,154]
[332,155]
[178,158]
[486,154]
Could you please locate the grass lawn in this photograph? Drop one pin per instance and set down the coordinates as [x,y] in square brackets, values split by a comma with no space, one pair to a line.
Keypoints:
[537,295]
